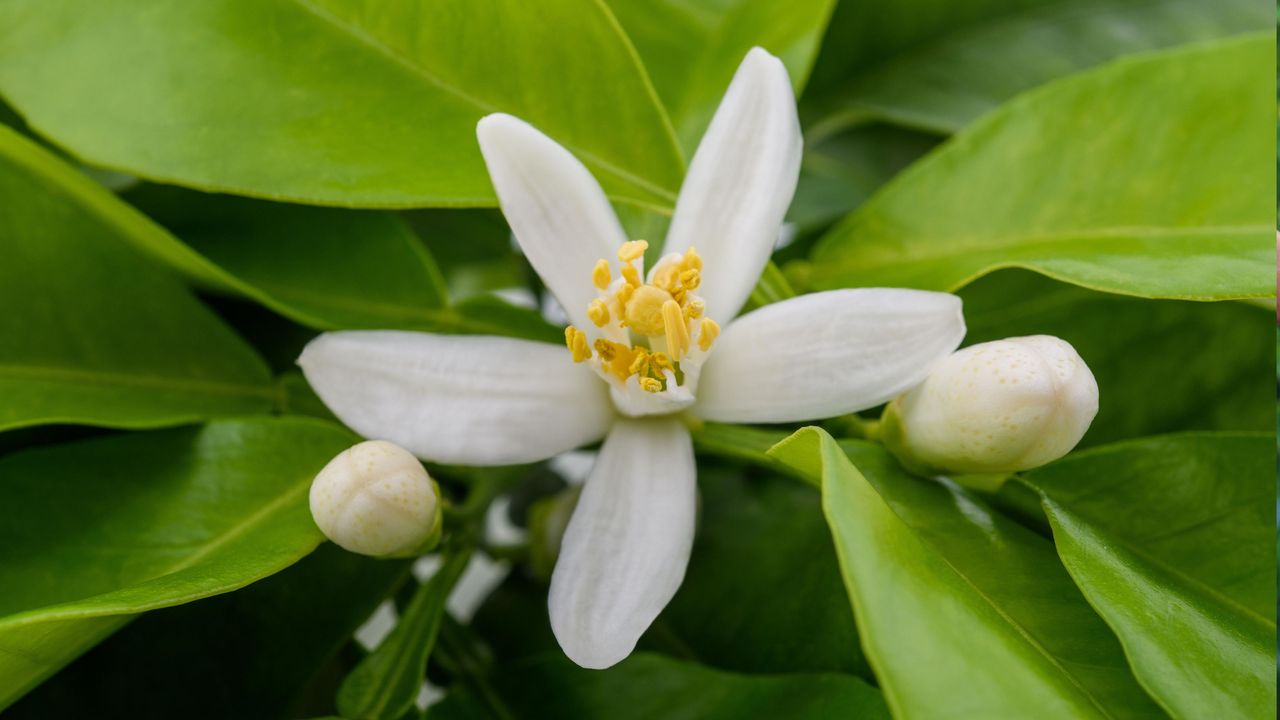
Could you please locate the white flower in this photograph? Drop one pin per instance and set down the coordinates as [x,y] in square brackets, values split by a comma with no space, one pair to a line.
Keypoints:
[997,407]
[376,499]
[641,350]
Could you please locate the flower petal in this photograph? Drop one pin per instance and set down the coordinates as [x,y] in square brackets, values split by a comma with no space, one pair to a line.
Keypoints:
[827,354]
[740,183]
[627,544]
[556,209]
[464,399]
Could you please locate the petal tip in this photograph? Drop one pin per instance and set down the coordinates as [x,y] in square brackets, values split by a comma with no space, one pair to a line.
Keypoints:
[492,128]
[591,653]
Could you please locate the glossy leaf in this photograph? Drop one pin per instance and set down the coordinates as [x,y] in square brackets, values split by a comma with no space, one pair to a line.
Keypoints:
[1172,540]
[1114,179]
[841,171]
[386,682]
[748,603]
[862,36]
[115,526]
[652,686]
[326,268]
[692,48]
[330,101]
[1161,366]
[254,653]
[963,612]
[95,333]
[945,85]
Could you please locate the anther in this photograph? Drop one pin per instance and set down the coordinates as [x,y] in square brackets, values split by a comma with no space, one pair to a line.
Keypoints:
[650,385]
[632,250]
[677,332]
[707,334]
[640,365]
[600,275]
[695,308]
[632,275]
[690,279]
[604,349]
[598,312]
[691,259]
[577,342]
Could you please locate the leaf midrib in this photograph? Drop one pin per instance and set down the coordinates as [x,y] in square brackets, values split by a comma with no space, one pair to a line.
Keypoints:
[1018,628]
[960,246]
[119,379]
[75,609]
[1266,624]
[363,37]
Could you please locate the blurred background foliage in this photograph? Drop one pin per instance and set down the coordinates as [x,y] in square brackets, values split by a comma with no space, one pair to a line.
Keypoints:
[189,192]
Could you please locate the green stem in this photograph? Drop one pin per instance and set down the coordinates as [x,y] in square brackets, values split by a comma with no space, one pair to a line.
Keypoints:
[461,657]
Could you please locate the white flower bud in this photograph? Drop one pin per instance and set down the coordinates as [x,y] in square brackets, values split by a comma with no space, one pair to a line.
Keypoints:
[376,499]
[997,407]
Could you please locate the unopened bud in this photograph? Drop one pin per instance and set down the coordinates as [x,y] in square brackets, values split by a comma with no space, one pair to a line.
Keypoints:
[376,499]
[997,407]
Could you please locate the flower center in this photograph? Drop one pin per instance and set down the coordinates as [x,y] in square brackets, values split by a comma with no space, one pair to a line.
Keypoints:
[644,310]
[651,336]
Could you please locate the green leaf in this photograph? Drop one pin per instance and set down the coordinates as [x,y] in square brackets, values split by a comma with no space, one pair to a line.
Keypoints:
[962,612]
[250,653]
[863,35]
[1123,179]
[653,686]
[323,267]
[383,686]
[333,101]
[1161,366]
[473,247]
[103,337]
[115,526]
[945,85]
[740,441]
[772,287]
[748,603]
[840,172]
[691,49]
[1172,539]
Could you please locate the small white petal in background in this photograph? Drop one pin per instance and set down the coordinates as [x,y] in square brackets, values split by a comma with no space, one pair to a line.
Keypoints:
[574,466]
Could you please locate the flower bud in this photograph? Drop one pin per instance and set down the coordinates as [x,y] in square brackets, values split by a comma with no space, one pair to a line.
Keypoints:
[376,499]
[997,407]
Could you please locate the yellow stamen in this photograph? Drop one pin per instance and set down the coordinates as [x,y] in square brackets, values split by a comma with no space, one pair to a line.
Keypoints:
[665,276]
[691,260]
[659,362]
[598,312]
[577,342]
[632,250]
[650,385]
[632,275]
[707,334]
[677,332]
[600,275]
[690,279]
[604,349]
[695,308]
[640,365]
[644,310]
